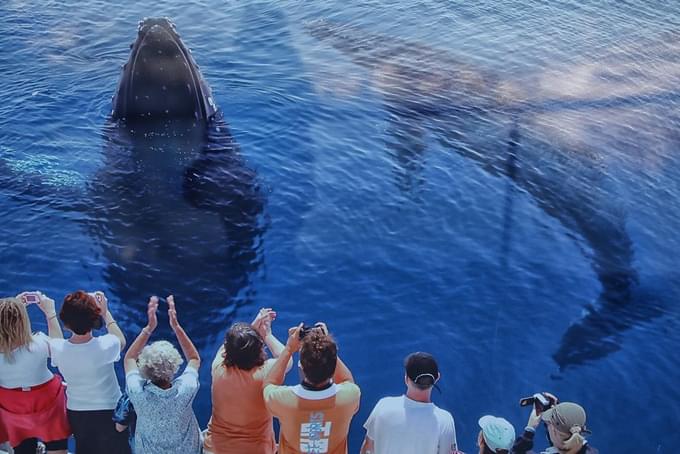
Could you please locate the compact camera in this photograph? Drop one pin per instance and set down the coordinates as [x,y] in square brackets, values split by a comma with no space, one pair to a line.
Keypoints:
[31,298]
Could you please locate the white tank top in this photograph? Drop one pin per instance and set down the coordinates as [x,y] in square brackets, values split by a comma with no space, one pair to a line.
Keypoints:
[28,366]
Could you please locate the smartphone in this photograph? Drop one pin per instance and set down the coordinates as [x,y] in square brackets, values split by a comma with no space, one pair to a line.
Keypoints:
[31,298]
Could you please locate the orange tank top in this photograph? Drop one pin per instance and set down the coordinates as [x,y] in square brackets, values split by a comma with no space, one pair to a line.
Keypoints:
[240,422]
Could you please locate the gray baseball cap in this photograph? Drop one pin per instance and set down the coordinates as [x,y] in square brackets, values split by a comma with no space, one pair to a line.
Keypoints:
[566,415]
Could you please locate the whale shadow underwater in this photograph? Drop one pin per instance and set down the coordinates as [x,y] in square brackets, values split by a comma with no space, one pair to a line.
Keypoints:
[533,134]
[174,208]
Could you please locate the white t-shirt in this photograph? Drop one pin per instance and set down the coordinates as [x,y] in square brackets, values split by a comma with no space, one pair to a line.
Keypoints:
[399,425]
[29,365]
[88,370]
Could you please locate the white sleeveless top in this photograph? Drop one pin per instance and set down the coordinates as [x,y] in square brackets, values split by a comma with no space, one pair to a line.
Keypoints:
[28,366]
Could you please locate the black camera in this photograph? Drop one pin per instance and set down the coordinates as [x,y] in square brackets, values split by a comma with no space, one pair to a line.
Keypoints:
[540,401]
[306,329]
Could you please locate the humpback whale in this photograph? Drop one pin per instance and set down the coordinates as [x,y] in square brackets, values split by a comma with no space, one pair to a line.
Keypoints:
[175,207]
[533,134]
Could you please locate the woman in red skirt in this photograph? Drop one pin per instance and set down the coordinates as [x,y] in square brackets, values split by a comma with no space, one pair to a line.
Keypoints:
[32,399]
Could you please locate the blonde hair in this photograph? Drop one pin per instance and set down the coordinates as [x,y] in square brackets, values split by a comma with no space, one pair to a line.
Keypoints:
[15,326]
[572,444]
[159,362]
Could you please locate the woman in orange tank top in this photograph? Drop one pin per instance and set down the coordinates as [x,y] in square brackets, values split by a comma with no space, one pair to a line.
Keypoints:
[240,422]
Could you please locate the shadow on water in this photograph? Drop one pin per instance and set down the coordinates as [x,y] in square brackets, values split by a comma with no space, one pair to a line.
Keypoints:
[279,111]
[537,134]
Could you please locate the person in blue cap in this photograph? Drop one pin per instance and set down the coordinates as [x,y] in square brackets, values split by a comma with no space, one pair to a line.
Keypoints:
[496,435]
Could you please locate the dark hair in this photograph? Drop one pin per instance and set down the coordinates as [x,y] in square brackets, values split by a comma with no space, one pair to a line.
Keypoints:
[424,382]
[488,450]
[422,369]
[80,312]
[243,347]
[318,357]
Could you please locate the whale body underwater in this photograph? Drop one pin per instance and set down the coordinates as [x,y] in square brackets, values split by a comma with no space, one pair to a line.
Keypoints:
[538,135]
[175,208]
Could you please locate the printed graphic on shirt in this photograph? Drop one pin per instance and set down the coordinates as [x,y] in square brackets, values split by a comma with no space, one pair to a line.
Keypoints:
[314,434]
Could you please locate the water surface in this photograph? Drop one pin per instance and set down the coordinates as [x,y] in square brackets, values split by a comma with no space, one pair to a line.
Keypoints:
[398,207]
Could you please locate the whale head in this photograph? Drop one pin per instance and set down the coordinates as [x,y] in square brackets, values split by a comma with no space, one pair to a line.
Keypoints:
[161,80]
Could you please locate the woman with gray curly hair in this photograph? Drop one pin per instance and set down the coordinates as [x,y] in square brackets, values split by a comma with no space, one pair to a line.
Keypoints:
[165,418]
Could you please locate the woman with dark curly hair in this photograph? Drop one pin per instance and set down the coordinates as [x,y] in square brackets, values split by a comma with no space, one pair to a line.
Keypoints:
[240,421]
[86,362]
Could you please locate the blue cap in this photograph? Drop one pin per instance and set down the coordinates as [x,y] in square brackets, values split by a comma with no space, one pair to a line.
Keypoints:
[498,433]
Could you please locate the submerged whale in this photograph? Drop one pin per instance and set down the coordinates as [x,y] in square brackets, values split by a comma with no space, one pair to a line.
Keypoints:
[533,135]
[175,207]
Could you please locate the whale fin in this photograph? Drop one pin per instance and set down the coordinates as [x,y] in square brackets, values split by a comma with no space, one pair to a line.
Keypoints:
[598,333]
[40,181]
[220,181]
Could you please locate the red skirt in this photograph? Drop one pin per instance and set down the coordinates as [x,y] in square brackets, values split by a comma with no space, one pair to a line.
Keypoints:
[39,412]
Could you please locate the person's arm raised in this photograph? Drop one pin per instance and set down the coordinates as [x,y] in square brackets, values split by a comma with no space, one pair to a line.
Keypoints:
[277,373]
[342,373]
[188,349]
[140,342]
[111,324]
[218,360]
[263,325]
[46,305]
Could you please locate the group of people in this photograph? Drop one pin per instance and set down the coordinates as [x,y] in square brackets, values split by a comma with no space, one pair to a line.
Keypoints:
[154,414]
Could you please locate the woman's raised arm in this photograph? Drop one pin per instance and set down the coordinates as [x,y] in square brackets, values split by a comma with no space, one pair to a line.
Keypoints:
[188,349]
[143,337]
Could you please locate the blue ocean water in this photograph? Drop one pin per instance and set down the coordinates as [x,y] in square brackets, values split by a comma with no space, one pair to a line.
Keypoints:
[467,179]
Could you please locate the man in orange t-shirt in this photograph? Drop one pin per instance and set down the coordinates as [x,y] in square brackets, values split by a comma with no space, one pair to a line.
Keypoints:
[314,415]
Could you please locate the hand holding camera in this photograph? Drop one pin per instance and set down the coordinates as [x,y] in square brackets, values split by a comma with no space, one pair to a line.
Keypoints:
[45,303]
[308,329]
[29,298]
[540,402]
[294,338]
[101,300]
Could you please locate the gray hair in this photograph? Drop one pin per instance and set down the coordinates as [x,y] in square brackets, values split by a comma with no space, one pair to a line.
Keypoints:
[159,362]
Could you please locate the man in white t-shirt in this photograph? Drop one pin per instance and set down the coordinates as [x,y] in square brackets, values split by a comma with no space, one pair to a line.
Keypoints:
[411,423]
